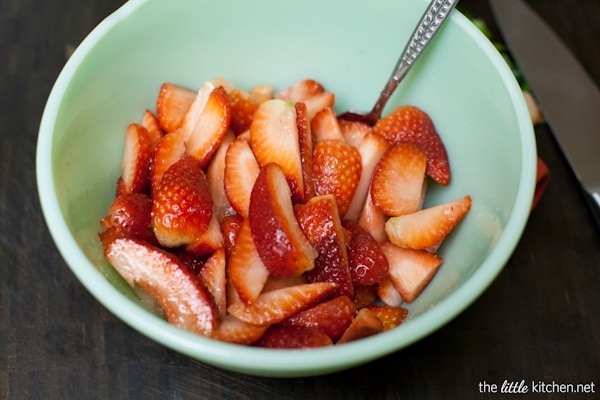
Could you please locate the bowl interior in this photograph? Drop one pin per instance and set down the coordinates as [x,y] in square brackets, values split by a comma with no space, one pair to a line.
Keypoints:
[349,46]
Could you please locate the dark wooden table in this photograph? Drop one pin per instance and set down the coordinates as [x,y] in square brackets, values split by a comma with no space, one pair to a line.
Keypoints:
[537,322]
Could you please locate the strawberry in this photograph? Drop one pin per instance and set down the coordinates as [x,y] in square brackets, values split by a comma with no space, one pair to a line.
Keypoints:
[274,283]
[354,132]
[172,103]
[182,207]
[388,294]
[233,330]
[137,158]
[176,289]
[167,152]
[364,324]
[425,229]
[207,126]
[306,150]
[332,317]
[243,107]
[211,240]
[368,264]
[215,176]
[293,337]
[241,171]
[192,261]
[261,92]
[230,228]
[245,269]
[372,220]
[410,270]
[155,132]
[371,149]
[311,93]
[336,170]
[274,139]
[390,317]
[411,124]
[320,222]
[324,125]
[364,296]
[279,240]
[129,214]
[398,184]
[277,305]
[213,276]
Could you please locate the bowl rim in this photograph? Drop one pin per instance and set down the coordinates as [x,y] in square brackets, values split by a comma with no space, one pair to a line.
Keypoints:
[277,362]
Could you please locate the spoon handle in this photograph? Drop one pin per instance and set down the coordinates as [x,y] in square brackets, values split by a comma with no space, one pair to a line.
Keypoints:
[428,26]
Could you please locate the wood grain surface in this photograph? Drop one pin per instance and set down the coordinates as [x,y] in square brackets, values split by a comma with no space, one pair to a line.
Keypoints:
[537,322]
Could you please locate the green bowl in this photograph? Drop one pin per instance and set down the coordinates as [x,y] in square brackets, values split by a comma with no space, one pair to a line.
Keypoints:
[350,46]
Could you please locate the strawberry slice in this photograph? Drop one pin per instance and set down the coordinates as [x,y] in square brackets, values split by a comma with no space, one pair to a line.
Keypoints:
[261,92]
[408,123]
[368,264]
[182,207]
[293,337]
[427,228]
[275,306]
[365,324]
[230,228]
[325,126]
[336,170]
[364,296]
[168,151]
[279,240]
[137,158]
[311,93]
[390,317]
[398,184]
[243,106]
[321,224]
[241,171]
[274,283]
[354,132]
[155,132]
[373,220]
[176,289]
[410,270]
[210,241]
[215,176]
[213,276]
[172,103]
[245,268]
[129,214]
[306,150]
[332,317]
[388,294]
[274,139]
[233,330]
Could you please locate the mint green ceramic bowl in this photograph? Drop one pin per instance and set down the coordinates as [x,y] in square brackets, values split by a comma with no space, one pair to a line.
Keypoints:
[351,47]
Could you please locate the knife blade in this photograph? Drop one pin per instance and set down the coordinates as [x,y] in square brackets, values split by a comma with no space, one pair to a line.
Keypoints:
[568,97]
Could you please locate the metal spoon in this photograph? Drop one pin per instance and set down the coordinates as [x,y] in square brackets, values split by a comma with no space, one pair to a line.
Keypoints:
[430,23]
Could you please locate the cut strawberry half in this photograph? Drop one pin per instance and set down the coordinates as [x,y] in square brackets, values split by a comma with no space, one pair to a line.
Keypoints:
[241,171]
[172,103]
[176,289]
[137,158]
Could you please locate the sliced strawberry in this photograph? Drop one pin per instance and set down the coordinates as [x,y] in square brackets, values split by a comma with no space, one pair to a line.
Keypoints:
[364,296]
[230,228]
[275,306]
[368,264]
[241,171]
[391,317]
[321,224]
[245,268]
[182,207]
[155,132]
[130,215]
[213,276]
[336,169]
[306,150]
[192,261]
[279,240]
[388,294]
[411,124]
[215,176]
[398,184]
[427,228]
[293,337]
[354,132]
[325,126]
[233,330]
[274,283]
[172,104]
[300,91]
[372,220]
[332,317]
[274,139]
[176,289]
[210,241]
[371,149]
[168,151]
[318,102]
[210,127]
[410,270]
[137,158]
[262,92]
[365,324]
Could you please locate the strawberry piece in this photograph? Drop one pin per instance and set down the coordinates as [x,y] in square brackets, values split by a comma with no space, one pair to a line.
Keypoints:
[371,149]
[364,296]
[300,91]
[182,207]
[176,289]
[321,224]
[129,214]
[137,157]
[390,317]
[243,107]
[354,132]
[233,330]
[274,139]
[365,324]
[172,103]
[332,317]
[275,306]
[368,264]
[208,125]
[398,184]
[325,126]
[261,92]
[213,276]
[373,220]
[410,270]
[427,228]
[388,294]
[293,337]
[245,269]
[155,132]
[230,228]
[336,169]
[210,241]
[274,283]
[411,124]
[279,240]
[168,151]
[215,176]
[192,261]
[241,171]
[306,150]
